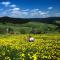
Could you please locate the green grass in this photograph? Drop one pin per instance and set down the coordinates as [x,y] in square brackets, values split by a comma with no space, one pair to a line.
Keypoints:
[27,27]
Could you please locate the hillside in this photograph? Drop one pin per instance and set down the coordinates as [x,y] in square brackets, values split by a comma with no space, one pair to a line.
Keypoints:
[49,20]
[32,25]
[28,27]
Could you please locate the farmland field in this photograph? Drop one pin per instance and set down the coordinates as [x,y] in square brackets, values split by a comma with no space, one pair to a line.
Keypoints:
[17,47]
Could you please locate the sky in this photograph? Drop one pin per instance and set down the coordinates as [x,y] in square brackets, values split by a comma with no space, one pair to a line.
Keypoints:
[30,8]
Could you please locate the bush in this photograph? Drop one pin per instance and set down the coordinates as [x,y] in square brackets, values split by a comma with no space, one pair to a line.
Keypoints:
[2,31]
[22,31]
[10,30]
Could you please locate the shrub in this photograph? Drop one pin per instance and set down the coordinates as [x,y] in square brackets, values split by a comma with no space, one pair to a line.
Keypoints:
[22,31]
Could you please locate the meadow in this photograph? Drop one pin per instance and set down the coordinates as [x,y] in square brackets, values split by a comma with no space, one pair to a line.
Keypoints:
[17,47]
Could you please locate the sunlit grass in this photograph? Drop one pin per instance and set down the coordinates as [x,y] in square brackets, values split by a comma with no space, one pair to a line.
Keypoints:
[17,47]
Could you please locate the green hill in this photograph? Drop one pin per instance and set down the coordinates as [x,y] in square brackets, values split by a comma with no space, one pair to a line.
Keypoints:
[30,27]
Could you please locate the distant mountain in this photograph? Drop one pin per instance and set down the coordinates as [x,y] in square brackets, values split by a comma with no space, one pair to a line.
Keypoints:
[49,20]
[13,20]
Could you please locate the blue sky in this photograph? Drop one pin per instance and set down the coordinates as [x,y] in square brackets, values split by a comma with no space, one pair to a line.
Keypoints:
[30,8]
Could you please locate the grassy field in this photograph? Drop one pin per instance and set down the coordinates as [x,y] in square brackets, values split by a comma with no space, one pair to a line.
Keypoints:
[28,27]
[17,47]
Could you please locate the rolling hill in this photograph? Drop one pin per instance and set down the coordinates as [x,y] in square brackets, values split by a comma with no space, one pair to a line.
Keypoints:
[26,25]
[49,20]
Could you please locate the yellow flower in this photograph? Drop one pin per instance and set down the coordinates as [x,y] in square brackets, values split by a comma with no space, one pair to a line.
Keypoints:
[23,55]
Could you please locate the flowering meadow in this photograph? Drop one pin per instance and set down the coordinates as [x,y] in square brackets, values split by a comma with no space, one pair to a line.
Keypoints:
[17,47]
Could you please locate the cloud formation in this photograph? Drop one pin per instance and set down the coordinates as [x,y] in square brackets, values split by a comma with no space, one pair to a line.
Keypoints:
[13,5]
[5,3]
[57,14]
[14,11]
[50,8]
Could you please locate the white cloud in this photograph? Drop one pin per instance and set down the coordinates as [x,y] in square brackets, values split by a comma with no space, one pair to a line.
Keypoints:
[16,8]
[38,13]
[26,10]
[42,13]
[34,10]
[14,11]
[25,13]
[21,13]
[57,14]
[50,8]
[5,3]
[13,5]
[17,12]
